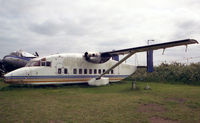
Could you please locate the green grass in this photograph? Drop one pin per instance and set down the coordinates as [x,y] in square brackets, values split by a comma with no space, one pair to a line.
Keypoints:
[115,103]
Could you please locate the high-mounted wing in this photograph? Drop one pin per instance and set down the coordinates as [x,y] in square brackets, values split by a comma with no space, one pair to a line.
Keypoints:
[131,51]
[150,47]
[103,57]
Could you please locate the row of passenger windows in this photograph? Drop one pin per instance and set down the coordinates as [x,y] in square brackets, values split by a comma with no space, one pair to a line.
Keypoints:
[84,71]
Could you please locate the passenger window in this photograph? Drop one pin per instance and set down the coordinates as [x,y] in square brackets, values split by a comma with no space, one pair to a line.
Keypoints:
[59,70]
[75,71]
[104,70]
[99,71]
[112,72]
[48,63]
[90,71]
[95,71]
[43,64]
[65,71]
[80,71]
[85,71]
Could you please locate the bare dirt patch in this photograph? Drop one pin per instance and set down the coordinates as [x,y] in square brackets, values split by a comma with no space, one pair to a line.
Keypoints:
[161,120]
[152,108]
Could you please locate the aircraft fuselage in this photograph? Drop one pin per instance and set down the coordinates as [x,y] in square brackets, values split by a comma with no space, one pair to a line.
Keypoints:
[66,68]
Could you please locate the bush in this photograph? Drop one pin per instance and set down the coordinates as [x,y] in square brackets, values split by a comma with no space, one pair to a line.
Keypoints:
[173,73]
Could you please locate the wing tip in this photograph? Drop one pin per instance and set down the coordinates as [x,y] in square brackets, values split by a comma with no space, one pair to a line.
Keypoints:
[194,41]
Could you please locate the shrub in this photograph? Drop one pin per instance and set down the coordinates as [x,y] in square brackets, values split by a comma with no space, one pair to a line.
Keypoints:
[173,73]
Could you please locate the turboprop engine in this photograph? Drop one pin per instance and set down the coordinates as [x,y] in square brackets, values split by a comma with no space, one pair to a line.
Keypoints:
[96,57]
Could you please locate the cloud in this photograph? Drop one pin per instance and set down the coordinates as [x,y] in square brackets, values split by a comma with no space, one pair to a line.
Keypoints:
[49,26]
[66,27]
[14,9]
[46,28]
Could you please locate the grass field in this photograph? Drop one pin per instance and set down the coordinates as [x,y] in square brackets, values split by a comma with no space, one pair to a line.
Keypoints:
[115,103]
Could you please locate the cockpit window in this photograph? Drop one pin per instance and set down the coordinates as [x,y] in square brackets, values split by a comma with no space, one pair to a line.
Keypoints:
[43,64]
[33,63]
[38,63]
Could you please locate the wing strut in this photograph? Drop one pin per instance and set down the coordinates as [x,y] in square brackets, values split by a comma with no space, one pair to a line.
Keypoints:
[118,63]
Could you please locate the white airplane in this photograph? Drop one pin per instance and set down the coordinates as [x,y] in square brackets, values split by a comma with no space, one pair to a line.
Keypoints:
[93,68]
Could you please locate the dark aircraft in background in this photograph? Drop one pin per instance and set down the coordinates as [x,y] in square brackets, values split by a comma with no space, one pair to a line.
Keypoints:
[15,60]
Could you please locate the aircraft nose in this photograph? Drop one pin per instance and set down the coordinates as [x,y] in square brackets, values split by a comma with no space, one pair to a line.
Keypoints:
[18,72]
[7,75]
[16,76]
[7,78]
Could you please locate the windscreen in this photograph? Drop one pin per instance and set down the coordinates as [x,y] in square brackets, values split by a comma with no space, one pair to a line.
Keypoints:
[33,63]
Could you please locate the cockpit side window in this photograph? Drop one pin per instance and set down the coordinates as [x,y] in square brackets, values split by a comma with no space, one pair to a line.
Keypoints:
[43,64]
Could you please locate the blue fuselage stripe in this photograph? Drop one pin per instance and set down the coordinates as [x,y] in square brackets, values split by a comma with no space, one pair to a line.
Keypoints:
[64,76]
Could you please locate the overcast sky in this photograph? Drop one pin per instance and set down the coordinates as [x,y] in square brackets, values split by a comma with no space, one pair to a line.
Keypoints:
[57,26]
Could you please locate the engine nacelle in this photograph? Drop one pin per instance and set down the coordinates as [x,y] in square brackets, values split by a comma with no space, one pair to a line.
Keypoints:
[96,57]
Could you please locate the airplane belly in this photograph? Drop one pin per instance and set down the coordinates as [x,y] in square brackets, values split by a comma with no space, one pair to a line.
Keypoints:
[70,79]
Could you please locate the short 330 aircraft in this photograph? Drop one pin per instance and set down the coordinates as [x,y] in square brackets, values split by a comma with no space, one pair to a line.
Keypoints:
[92,68]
